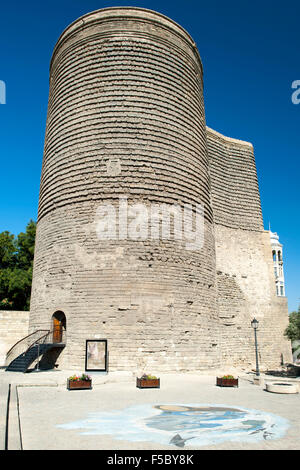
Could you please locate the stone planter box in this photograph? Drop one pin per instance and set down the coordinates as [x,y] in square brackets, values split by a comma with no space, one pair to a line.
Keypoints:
[227,382]
[79,384]
[147,383]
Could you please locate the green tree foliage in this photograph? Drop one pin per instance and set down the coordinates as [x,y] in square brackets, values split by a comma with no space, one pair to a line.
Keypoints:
[293,330]
[16,263]
[7,250]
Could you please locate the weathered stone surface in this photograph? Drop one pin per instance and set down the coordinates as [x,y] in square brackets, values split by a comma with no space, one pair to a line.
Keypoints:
[126,118]
[234,185]
[13,326]
[245,272]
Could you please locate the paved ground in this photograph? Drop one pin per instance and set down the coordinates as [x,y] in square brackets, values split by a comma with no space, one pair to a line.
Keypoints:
[45,402]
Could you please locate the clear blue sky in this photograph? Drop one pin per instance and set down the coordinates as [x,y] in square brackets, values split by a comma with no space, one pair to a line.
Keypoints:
[250,53]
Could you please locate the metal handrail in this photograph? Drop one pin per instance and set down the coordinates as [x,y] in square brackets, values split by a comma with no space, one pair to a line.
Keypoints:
[20,348]
[21,340]
[21,345]
[39,340]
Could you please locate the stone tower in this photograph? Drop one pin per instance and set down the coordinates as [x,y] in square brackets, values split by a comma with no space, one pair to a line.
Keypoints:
[125,120]
[126,138]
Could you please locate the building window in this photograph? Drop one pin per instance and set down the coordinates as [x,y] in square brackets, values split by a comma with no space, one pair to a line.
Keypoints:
[281,291]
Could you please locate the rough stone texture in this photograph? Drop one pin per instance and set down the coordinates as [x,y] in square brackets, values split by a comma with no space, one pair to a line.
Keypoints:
[234,185]
[126,118]
[13,326]
[246,289]
[245,271]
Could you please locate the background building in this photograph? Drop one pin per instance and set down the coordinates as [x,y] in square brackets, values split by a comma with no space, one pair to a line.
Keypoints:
[278,264]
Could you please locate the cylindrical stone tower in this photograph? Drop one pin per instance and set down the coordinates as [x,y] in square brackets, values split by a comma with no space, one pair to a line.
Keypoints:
[126,133]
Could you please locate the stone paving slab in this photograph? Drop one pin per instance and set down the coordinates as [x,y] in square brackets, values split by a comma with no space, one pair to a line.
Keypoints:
[59,377]
[14,434]
[4,387]
[48,379]
[43,408]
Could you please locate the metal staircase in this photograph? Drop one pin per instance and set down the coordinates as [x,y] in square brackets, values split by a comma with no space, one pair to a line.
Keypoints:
[21,356]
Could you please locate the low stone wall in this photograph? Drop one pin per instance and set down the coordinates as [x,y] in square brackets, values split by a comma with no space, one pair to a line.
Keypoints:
[13,327]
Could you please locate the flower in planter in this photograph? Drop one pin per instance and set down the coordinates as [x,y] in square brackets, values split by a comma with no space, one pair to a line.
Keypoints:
[75,378]
[85,377]
[148,377]
[227,381]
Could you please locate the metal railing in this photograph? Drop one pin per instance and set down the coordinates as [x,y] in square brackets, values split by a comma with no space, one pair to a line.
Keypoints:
[22,346]
[38,337]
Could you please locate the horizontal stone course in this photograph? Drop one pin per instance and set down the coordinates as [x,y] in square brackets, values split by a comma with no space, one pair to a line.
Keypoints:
[13,327]
[126,118]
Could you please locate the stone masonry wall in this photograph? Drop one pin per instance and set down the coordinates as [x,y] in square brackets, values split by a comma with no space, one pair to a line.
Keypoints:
[13,327]
[246,289]
[234,186]
[125,118]
[245,274]
[142,297]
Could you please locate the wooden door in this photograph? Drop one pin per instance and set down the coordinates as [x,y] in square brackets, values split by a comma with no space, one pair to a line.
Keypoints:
[57,330]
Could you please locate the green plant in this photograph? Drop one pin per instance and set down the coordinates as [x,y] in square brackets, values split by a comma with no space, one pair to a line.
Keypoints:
[148,377]
[227,377]
[5,304]
[75,378]
[293,330]
[16,264]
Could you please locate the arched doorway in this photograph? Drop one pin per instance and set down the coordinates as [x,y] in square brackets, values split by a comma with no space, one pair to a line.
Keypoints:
[59,325]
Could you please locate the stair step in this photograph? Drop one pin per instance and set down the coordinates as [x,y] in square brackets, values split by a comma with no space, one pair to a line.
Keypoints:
[22,362]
